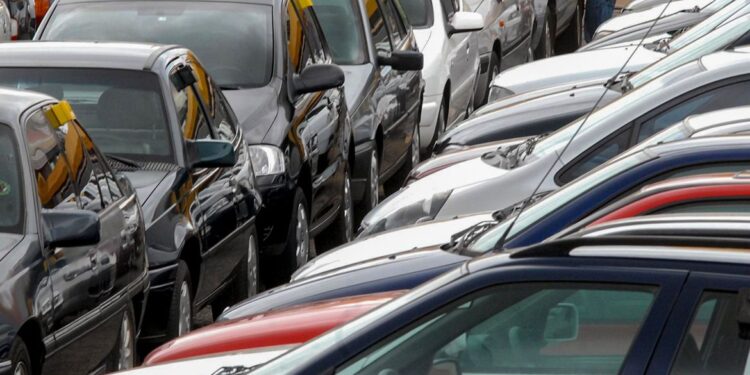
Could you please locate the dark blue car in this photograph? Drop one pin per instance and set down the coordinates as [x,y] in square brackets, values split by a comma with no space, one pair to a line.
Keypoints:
[564,307]
[536,223]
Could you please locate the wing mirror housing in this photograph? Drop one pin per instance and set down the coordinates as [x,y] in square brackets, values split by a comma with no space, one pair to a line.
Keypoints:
[465,22]
[70,228]
[403,60]
[562,323]
[208,153]
[317,77]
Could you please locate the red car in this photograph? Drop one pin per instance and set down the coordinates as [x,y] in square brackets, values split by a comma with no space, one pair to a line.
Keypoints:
[290,326]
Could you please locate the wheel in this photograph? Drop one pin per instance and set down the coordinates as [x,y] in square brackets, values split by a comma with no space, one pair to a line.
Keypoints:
[246,282]
[180,320]
[20,361]
[341,230]
[546,47]
[123,357]
[572,38]
[372,195]
[412,159]
[440,123]
[494,70]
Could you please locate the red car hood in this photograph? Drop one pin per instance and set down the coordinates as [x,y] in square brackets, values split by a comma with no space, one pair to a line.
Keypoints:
[293,325]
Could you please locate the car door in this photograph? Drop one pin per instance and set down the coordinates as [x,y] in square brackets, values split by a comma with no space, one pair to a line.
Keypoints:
[704,334]
[539,320]
[73,270]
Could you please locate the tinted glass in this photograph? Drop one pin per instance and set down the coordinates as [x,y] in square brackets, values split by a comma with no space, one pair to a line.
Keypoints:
[96,185]
[122,110]
[419,12]
[233,40]
[298,47]
[11,183]
[342,27]
[397,32]
[600,155]
[520,329]
[378,29]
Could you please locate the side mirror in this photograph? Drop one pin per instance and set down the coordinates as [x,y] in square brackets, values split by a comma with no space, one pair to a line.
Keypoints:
[464,22]
[562,323]
[317,77]
[207,153]
[70,228]
[445,367]
[403,60]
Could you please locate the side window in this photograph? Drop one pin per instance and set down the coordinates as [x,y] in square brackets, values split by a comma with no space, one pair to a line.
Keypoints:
[450,7]
[540,328]
[225,120]
[377,27]
[96,185]
[54,178]
[712,344]
[726,206]
[602,153]
[395,27]
[301,52]
[733,95]
[193,122]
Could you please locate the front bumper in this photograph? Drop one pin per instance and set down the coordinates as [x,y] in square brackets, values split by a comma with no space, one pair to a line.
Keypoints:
[275,215]
[158,303]
[427,124]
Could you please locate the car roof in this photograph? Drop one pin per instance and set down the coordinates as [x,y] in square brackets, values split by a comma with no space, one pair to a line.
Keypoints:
[707,120]
[689,224]
[14,102]
[265,2]
[707,180]
[127,56]
[694,145]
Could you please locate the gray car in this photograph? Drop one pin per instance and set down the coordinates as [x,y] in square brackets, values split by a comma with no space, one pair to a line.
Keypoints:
[489,183]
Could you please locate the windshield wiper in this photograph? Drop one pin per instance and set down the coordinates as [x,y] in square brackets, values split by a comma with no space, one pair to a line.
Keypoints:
[462,239]
[522,151]
[123,160]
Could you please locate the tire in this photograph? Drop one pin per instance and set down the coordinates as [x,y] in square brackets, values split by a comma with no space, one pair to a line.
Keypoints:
[546,47]
[372,194]
[493,71]
[341,231]
[20,360]
[180,319]
[572,38]
[441,121]
[123,357]
[246,282]
[294,256]
[412,159]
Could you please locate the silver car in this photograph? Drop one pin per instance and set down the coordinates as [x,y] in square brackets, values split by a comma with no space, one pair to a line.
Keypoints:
[545,163]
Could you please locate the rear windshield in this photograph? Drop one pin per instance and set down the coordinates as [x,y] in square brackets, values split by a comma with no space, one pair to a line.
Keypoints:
[11,183]
[122,110]
[419,12]
[233,40]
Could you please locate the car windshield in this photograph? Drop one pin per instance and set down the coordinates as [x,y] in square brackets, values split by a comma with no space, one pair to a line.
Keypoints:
[122,110]
[342,28]
[557,140]
[553,202]
[673,133]
[233,40]
[11,183]
[419,12]
[715,5]
[712,42]
[732,10]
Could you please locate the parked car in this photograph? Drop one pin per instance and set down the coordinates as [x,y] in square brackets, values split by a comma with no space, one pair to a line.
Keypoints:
[536,222]
[451,69]
[591,305]
[74,277]
[157,116]
[639,5]
[558,27]
[550,161]
[224,364]
[8,26]
[373,43]
[705,225]
[284,327]
[25,16]
[577,69]
[636,23]
[271,60]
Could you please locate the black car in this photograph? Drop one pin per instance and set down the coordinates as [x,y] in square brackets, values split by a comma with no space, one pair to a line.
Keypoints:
[373,43]
[72,238]
[272,62]
[158,116]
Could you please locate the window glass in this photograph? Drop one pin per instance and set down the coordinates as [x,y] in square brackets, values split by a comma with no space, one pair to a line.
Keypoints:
[340,21]
[315,39]
[298,48]
[712,344]
[600,155]
[97,187]
[727,206]
[394,26]
[450,7]
[11,183]
[123,110]
[48,153]
[234,40]
[378,29]
[535,328]
[419,12]
[190,117]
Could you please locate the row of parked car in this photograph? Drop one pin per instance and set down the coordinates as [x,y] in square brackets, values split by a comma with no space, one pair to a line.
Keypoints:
[584,221]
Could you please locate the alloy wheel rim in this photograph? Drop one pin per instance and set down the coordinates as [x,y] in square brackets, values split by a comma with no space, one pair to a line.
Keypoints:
[20,369]
[125,359]
[303,236]
[252,268]
[348,209]
[183,325]
[415,147]
[374,181]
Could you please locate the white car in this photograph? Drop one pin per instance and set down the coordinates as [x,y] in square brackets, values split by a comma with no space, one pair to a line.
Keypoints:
[233,363]
[8,26]
[451,60]
[649,15]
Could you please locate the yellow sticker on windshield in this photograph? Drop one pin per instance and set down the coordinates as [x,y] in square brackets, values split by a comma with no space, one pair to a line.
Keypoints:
[60,114]
[304,4]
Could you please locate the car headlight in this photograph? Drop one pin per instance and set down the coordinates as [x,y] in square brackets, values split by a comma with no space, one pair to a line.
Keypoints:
[267,160]
[497,93]
[384,218]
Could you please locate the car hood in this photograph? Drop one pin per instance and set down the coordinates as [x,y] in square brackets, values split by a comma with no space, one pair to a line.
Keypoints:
[423,37]
[566,69]
[650,14]
[356,78]
[256,110]
[212,365]
[388,243]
